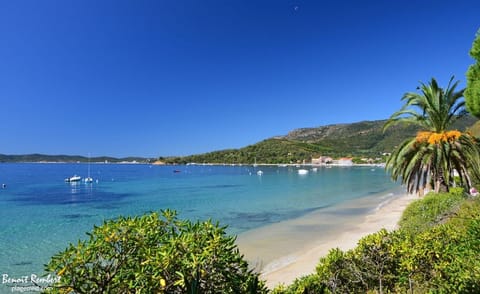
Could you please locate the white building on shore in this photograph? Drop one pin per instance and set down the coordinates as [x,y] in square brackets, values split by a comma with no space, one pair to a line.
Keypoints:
[344,161]
[322,160]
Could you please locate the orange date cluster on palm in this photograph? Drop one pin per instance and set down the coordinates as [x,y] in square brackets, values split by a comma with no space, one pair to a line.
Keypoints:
[436,138]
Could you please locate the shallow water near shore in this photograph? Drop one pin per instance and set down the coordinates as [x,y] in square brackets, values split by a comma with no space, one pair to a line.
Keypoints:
[41,214]
[274,246]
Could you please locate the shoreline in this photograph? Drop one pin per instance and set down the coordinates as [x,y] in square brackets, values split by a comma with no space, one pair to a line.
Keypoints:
[326,165]
[288,250]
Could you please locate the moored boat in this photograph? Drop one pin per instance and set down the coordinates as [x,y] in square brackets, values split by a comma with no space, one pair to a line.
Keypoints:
[73,179]
[88,179]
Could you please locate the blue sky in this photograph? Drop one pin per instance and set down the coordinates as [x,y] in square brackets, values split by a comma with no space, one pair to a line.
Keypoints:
[159,78]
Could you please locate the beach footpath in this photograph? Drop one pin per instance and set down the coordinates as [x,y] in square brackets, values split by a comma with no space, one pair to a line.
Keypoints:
[291,249]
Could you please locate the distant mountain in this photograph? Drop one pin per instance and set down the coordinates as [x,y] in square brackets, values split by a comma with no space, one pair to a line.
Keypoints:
[68,158]
[361,139]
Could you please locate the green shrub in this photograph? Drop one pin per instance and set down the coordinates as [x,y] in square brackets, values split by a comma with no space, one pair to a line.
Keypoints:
[310,284]
[370,266]
[443,257]
[375,262]
[154,254]
[334,271]
[430,210]
[441,260]
[333,275]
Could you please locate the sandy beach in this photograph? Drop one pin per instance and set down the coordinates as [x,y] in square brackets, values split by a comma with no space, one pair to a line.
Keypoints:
[288,250]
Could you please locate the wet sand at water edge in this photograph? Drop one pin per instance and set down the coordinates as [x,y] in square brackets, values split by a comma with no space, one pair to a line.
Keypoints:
[290,249]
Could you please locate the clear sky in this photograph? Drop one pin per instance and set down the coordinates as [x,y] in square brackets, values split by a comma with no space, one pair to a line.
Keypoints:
[159,78]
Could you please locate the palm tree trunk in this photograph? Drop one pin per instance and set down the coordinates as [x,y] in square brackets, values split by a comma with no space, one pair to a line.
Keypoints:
[440,184]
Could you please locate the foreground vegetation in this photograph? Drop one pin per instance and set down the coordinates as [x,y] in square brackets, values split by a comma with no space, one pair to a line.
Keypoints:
[154,254]
[435,250]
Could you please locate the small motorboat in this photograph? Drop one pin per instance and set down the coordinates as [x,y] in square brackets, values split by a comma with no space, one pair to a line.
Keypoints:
[302,171]
[88,180]
[260,173]
[73,179]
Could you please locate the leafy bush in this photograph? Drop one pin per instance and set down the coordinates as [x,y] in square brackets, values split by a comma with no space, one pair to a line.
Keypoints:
[368,267]
[375,262]
[154,254]
[440,260]
[428,211]
[309,284]
[444,258]
[335,272]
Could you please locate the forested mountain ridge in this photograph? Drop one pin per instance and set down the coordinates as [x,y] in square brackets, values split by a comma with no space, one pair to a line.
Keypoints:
[363,129]
[360,139]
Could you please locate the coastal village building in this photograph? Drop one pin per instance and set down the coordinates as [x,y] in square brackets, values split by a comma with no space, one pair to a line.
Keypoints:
[345,161]
[322,160]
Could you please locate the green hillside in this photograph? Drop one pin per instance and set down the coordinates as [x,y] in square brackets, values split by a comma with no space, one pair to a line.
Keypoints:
[475,129]
[362,139]
[275,150]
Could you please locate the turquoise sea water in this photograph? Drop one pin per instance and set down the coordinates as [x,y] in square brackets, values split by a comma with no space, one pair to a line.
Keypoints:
[41,214]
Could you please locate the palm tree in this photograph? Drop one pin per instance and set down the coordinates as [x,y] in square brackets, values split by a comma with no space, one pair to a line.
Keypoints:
[436,155]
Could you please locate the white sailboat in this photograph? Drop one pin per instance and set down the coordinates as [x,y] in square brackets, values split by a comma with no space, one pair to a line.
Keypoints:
[88,179]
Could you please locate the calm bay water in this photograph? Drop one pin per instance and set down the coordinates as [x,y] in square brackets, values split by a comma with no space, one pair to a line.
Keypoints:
[41,214]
